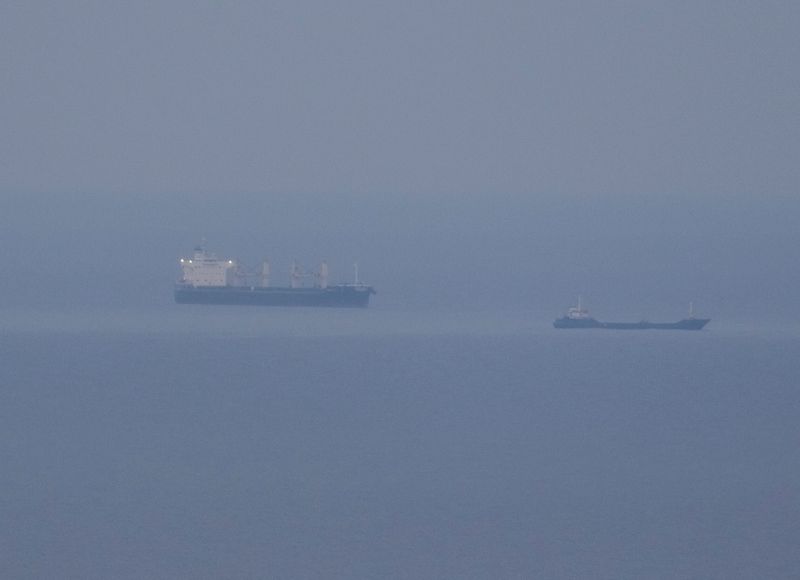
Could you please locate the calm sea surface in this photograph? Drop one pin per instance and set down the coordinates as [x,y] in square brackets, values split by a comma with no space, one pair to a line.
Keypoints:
[238,443]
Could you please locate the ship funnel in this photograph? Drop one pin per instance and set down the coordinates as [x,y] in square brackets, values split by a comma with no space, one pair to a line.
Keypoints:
[323,275]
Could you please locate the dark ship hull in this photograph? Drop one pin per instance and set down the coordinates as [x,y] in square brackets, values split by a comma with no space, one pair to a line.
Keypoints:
[685,324]
[342,296]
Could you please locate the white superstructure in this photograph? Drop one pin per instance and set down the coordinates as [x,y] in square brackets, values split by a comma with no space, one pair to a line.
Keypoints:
[205,269]
[578,312]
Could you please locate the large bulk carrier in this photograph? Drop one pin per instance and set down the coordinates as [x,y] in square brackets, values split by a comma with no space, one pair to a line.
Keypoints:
[206,279]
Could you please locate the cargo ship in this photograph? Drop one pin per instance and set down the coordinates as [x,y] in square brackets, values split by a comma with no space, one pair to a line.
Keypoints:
[578,317]
[206,279]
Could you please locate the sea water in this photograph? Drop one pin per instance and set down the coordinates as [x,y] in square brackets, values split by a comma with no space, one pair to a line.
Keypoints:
[258,443]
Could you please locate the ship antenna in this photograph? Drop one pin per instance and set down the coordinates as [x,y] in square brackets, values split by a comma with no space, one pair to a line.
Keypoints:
[355,272]
[579,302]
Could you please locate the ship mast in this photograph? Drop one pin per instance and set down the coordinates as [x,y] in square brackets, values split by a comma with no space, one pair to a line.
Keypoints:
[323,275]
[295,275]
[265,274]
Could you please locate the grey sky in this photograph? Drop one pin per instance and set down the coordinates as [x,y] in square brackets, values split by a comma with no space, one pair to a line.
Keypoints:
[400,98]
[642,154]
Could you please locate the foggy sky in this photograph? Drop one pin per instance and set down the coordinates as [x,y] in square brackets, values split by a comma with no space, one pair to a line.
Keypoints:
[622,149]
[399,98]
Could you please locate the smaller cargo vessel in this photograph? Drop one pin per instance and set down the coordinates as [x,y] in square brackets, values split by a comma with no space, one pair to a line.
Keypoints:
[206,279]
[578,317]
